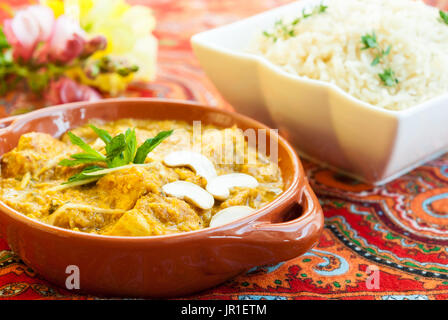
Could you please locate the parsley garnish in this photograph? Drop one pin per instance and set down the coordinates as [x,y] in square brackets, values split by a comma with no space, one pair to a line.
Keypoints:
[121,150]
[285,31]
[388,77]
[443,16]
[370,42]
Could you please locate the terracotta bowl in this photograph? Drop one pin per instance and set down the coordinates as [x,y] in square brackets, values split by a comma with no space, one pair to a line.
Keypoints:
[169,265]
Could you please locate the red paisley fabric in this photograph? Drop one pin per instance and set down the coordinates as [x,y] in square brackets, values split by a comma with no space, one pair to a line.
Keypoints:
[398,232]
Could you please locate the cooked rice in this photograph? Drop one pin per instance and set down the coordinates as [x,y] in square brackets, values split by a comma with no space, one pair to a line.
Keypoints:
[327,47]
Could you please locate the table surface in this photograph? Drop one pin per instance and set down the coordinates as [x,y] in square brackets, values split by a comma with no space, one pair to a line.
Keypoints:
[399,229]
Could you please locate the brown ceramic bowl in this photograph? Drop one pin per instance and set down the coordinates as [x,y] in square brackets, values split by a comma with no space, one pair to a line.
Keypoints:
[169,265]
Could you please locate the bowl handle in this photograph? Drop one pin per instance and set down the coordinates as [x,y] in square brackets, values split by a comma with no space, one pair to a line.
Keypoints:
[293,238]
[267,242]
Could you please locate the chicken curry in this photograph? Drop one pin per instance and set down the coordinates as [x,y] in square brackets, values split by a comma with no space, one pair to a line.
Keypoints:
[97,179]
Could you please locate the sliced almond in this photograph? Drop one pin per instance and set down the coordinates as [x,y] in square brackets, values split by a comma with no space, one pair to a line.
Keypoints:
[194,160]
[190,192]
[220,186]
[230,214]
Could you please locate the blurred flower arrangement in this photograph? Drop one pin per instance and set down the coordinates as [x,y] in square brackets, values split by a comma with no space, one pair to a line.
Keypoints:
[77,50]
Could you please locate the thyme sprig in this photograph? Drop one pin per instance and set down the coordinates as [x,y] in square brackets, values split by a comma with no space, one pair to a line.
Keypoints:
[443,17]
[287,30]
[388,77]
[370,41]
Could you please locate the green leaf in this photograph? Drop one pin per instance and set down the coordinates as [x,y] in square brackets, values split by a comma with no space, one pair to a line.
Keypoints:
[120,151]
[81,176]
[3,41]
[443,16]
[80,158]
[388,78]
[306,15]
[71,163]
[84,146]
[322,8]
[114,150]
[376,60]
[149,145]
[103,134]
[369,41]
[37,81]
[131,145]
[86,156]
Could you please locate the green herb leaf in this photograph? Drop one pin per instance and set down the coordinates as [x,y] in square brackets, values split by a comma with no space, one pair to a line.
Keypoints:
[443,16]
[84,146]
[114,150]
[388,78]
[72,163]
[149,145]
[286,30]
[369,41]
[322,8]
[81,176]
[306,15]
[80,158]
[103,134]
[295,21]
[131,145]
[120,151]
[376,61]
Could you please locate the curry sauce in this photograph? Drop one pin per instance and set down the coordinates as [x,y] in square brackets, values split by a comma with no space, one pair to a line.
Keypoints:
[129,201]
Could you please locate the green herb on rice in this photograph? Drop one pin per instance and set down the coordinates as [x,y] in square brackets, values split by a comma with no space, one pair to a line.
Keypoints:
[285,31]
[443,17]
[370,41]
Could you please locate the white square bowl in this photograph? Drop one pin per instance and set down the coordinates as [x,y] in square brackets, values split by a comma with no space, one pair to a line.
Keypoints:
[325,123]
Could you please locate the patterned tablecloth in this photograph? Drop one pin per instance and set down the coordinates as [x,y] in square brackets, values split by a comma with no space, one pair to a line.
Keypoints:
[400,229]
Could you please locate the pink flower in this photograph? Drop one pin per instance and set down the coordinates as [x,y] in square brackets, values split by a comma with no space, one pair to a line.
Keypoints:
[28,27]
[63,39]
[67,40]
[66,90]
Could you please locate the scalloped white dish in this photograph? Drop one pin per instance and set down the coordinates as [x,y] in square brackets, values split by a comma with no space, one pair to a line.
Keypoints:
[324,122]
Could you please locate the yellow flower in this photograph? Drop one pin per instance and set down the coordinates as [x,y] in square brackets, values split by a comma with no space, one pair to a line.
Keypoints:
[128,30]
[112,83]
[56,5]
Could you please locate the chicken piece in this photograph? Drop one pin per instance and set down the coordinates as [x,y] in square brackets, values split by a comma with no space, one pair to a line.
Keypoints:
[156,215]
[122,188]
[188,175]
[135,224]
[35,152]
[229,150]
[83,217]
[264,172]
[172,212]
[226,148]
[238,197]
